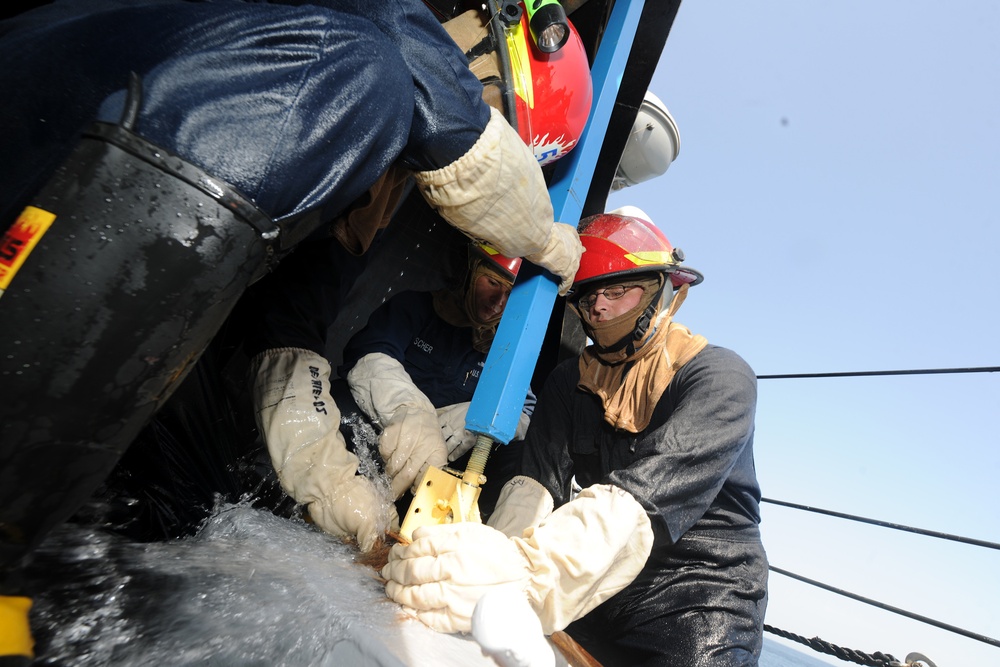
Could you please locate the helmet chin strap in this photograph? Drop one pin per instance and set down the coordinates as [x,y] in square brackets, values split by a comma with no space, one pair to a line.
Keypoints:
[644,320]
[654,314]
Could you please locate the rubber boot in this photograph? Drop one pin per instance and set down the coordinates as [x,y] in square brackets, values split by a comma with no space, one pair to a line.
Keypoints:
[115,280]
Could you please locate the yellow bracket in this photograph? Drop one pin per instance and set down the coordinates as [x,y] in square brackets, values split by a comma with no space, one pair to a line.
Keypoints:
[447,496]
[441,498]
[15,633]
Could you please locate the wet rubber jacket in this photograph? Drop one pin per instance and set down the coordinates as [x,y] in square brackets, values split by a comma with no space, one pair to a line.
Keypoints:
[701,596]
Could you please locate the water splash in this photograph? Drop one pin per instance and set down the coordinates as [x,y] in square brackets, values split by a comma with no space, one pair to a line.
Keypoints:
[250,588]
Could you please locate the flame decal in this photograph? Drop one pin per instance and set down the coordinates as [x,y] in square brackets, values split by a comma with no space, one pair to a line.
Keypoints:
[549,150]
[20,240]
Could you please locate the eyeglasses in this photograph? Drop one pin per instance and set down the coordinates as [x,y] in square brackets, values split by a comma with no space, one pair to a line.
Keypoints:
[610,293]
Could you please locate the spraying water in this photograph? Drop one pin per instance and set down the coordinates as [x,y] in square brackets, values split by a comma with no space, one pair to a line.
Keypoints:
[250,588]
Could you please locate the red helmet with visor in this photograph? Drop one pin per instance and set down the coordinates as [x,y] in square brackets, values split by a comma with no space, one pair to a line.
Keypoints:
[552,91]
[546,97]
[624,245]
[505,266]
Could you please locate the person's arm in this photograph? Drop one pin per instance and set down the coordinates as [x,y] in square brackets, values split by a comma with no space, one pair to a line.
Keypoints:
[390,329]
[375,372]
[300,424]
[577,557]
[567,561]
[496,192]
[449,113]
[469,163]
[411,437]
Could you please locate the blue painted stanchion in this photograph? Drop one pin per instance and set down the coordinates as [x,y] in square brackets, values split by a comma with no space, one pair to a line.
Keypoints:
[496,405]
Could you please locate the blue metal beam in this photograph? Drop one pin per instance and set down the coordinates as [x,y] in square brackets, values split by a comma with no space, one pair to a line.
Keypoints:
[496,405]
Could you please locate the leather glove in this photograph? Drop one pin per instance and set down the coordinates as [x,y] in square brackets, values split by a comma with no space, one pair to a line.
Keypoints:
[522,504]
[561,255]
[441,575]
[496,192]
[579,556]
[457,438]
[411,437]
[300,424]
[410,442]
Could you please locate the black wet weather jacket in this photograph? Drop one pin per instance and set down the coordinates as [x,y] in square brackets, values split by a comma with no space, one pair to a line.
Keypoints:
[701,596]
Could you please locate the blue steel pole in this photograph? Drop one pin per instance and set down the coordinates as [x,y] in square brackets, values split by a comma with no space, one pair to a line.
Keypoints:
[496,405]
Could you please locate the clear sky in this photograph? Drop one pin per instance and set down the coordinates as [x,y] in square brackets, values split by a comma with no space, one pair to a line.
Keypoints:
[838,184]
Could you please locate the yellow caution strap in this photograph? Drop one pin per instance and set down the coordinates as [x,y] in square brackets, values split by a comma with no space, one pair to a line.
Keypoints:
[15,634]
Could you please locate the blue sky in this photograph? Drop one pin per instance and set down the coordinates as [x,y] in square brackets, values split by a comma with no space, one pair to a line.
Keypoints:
[838,184]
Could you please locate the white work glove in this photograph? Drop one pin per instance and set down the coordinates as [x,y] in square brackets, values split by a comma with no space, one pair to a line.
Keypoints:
[561,255]
[301,425]
[496,193]
[579,556]
[441,575]
[411,437]
[457,438]
[522,504]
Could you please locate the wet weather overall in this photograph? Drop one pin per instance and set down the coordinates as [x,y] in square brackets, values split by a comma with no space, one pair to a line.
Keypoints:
[700,598]
[253,118]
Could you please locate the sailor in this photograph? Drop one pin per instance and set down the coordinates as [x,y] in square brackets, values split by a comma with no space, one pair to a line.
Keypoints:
[290,373]
[248,128]
[634,522]
[414,368]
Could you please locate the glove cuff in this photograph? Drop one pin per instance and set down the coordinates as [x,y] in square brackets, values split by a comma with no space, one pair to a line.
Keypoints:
[495,192]
[523,503]
[300,424]
[381,386]
[585,552]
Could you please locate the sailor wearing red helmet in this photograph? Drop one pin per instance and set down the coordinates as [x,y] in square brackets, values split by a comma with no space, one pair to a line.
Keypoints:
[633,525]
[414,368]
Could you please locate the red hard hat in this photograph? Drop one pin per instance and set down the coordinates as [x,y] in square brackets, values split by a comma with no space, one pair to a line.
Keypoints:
[625,245]
[506,266]
[553,91]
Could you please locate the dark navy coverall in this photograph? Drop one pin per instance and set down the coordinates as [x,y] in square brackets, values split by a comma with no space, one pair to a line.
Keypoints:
[438,357]
[297,107]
